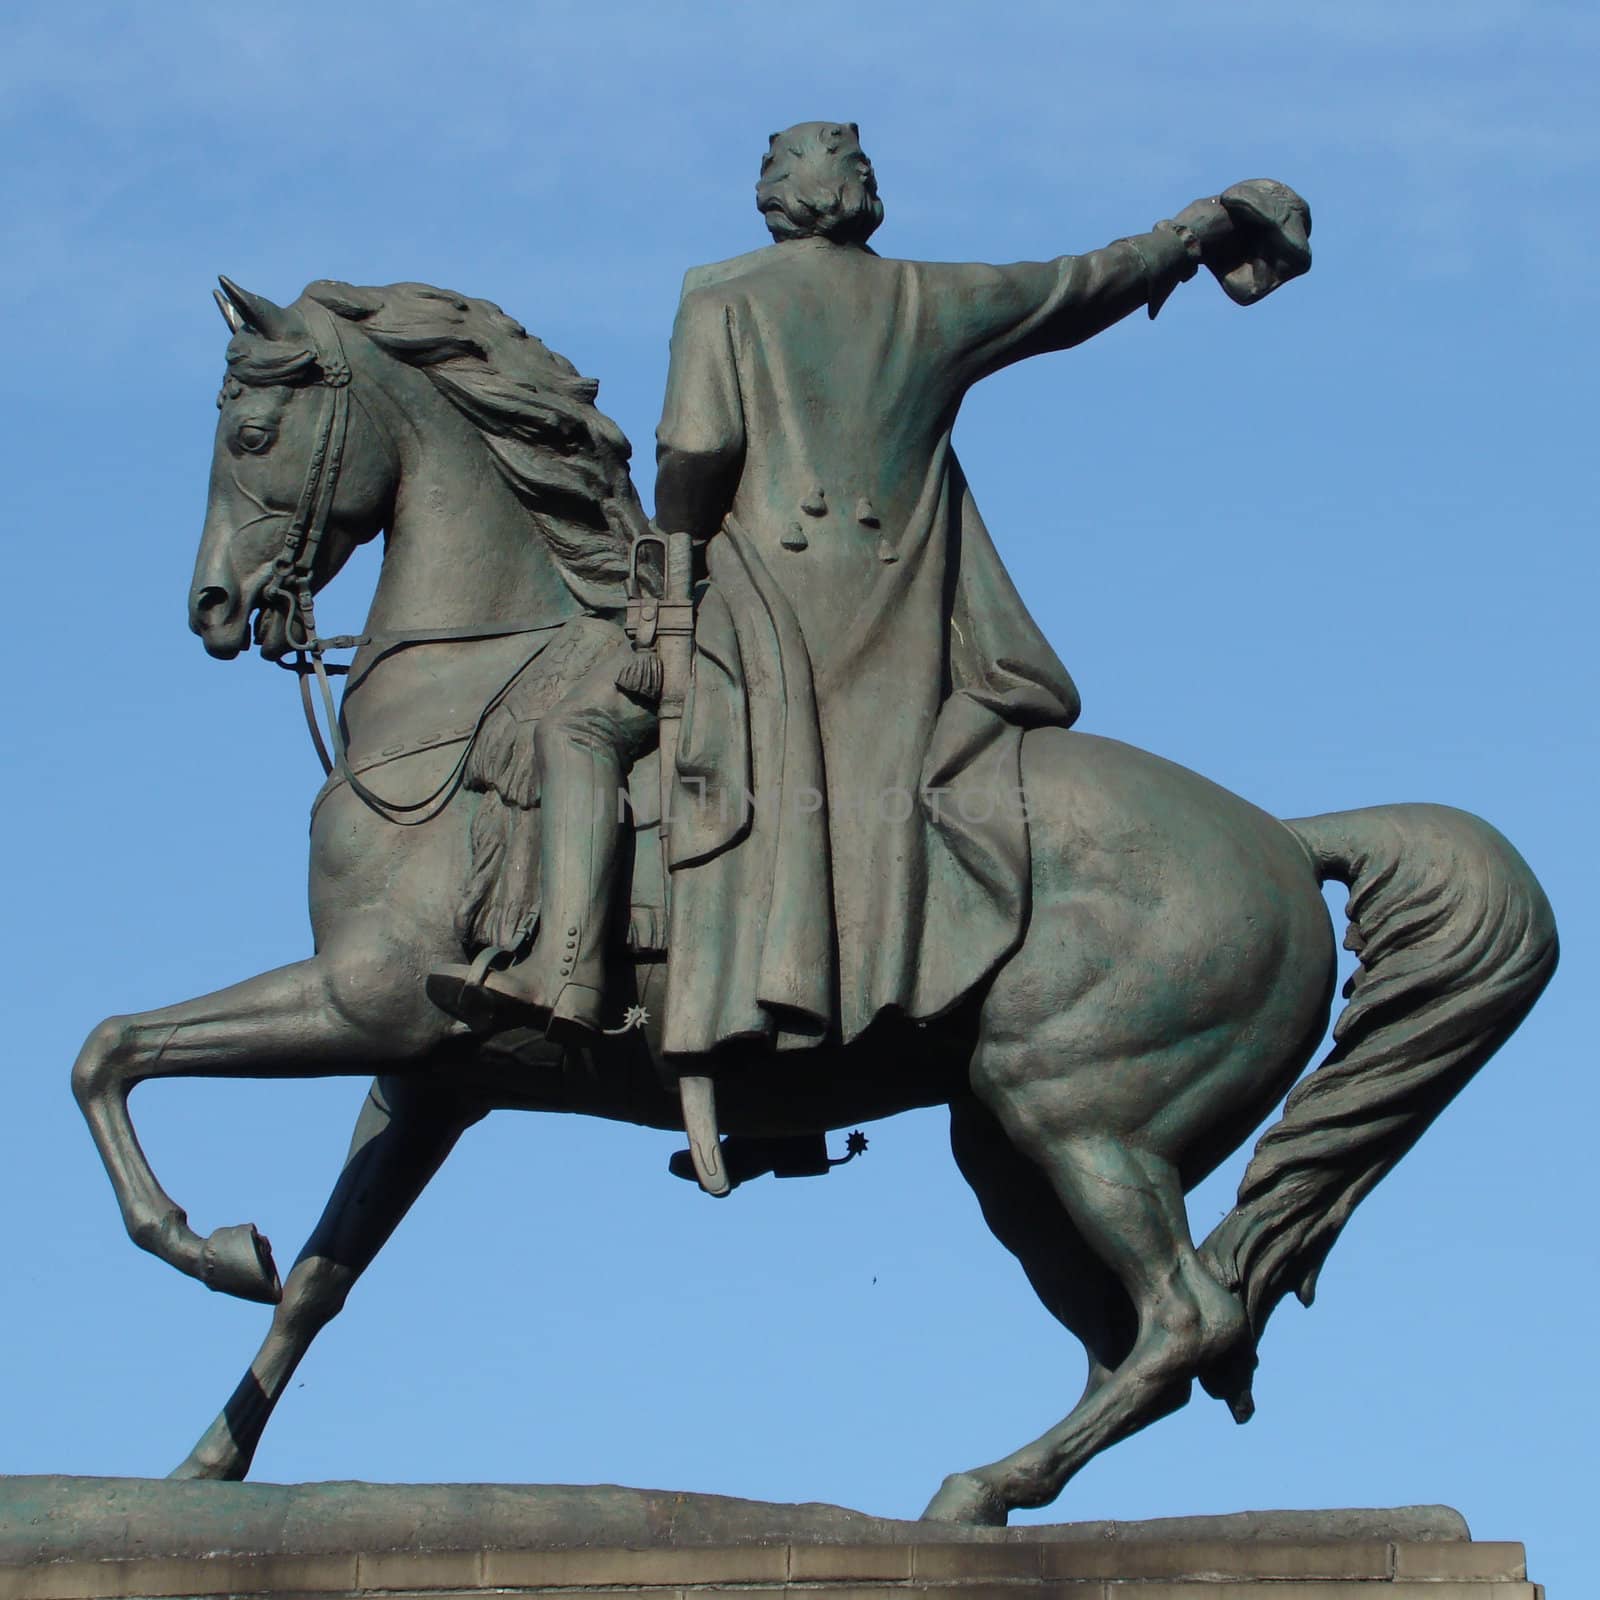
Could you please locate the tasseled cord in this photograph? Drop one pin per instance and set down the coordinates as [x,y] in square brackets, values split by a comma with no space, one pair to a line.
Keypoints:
[641,676]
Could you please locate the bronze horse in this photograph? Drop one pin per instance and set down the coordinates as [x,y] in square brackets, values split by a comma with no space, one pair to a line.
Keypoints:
[1176,974]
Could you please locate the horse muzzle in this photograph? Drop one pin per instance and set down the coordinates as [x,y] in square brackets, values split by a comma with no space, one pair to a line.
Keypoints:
[217,616]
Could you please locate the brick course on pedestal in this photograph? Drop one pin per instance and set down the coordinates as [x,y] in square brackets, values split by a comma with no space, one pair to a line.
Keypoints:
[1109,1570]
[133,1539]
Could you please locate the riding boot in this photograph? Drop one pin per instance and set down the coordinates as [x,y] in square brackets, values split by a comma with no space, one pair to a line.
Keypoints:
[562,981]
[563,978]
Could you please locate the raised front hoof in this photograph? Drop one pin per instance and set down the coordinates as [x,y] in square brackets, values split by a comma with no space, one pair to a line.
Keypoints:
[238,1261]
[966,1499]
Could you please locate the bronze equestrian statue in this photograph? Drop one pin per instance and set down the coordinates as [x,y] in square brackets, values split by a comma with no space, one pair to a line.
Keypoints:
[1108,968]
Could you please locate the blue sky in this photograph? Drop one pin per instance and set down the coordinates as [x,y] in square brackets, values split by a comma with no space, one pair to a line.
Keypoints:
[1333,551]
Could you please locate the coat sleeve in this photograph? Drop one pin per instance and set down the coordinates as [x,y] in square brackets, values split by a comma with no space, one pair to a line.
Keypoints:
[700,442]
[993,316]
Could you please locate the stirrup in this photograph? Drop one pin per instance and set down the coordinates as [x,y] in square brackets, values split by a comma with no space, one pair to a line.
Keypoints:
[464,993]
[699,1098]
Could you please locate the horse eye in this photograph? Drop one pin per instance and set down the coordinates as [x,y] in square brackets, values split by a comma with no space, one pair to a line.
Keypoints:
[253,438]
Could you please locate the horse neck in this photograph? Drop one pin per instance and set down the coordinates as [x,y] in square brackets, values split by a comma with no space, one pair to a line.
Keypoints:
[462,549]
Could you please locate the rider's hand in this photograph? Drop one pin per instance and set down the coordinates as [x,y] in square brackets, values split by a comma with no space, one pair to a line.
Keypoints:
[1210,223]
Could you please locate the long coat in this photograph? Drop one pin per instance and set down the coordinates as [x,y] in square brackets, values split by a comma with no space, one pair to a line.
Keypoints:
[848,835]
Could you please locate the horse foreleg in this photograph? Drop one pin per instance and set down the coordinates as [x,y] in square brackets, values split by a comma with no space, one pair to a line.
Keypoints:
[406,1129]
[318,1018]
[1128,1207]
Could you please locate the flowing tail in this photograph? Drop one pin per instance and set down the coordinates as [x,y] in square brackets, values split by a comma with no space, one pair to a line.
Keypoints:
[1456,940]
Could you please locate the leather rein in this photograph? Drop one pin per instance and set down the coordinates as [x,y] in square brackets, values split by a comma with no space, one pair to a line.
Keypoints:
[289,589]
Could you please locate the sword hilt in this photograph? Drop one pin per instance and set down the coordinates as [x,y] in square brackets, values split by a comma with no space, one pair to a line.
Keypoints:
[666,625]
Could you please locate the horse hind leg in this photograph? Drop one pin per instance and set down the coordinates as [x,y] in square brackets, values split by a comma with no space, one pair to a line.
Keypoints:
[1127,1205]
[1071,1281]
[406,1129]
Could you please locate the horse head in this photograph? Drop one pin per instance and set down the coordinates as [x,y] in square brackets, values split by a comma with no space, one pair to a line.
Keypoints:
[327,403]
[292,456]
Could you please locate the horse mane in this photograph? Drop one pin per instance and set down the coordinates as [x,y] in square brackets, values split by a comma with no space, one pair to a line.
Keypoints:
[563,457]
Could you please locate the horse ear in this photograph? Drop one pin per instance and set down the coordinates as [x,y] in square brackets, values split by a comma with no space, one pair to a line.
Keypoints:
[229,311]
[255,311]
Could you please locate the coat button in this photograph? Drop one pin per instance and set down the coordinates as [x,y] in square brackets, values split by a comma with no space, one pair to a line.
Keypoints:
[815,504]
[795,538]
[865,514]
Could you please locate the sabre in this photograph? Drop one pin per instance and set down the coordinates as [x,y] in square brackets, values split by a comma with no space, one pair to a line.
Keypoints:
[664,627]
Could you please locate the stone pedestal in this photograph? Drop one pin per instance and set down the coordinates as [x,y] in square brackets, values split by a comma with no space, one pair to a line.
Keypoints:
[97,1538]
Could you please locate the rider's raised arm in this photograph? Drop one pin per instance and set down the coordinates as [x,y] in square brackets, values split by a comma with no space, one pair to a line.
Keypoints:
[700,442]
[996,315]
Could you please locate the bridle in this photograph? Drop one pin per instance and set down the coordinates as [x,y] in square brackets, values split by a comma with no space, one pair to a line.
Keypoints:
[289,590]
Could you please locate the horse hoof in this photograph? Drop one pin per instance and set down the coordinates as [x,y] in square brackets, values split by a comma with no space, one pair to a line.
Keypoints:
[1230,1379]
[199,1468]
[964,1498]
[238,1261]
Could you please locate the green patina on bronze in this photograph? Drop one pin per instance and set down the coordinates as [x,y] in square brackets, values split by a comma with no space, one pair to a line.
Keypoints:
[1109,968]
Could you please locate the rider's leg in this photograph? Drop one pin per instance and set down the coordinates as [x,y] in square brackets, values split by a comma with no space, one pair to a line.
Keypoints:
[584,748]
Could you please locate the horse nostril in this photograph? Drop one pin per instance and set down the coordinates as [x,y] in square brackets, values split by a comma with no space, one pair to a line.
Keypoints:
[211,598]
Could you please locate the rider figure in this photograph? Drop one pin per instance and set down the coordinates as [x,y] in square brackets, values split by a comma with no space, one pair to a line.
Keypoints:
[847,834]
